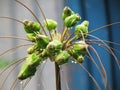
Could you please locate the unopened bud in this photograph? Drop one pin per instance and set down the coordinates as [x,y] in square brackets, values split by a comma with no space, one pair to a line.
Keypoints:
[80,59]
[50,24]
[26,72]
[62,58]
[66,12]
[42,41]
[32,49]
[31,36]
[82,29]
[54,47]
[72,20]
[33,60]
[31,27]
[80,48]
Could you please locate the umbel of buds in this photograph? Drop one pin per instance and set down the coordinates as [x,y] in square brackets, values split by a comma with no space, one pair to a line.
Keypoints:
[59,47]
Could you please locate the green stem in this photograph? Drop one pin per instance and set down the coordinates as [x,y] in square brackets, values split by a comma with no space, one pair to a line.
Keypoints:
[63,34]
[58,80]
[71,40]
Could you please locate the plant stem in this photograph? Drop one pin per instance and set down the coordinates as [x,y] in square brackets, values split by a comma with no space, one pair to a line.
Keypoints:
[63,34]
[58,80]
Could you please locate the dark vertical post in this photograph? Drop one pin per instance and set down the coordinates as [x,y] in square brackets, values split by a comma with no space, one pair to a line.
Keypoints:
[58,80]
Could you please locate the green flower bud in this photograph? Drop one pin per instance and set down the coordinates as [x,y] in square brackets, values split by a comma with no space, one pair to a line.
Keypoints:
[72,20]
[78,51]
[29,68]
[66,12]
[62,58]
[72,53]
[33,60]
[82,28]
[42,41]
[80,48]
[80,59]
[32,49]
[31,27]
[50,24]
[44,54]
[31,36]
[26,71]
[54,47]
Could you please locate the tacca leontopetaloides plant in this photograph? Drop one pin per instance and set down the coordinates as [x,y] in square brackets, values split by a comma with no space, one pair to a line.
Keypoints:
[58,47]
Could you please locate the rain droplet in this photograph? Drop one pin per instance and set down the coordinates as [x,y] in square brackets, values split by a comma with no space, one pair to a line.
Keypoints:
[21,82]
[59,66]
[99,45]
[43,61]
[74,62]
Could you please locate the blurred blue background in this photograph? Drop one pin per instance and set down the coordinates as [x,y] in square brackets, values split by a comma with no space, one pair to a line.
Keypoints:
[98,13]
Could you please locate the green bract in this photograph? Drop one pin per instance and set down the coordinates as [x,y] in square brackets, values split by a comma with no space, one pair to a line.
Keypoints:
[82,29]
[72,20]
[50,24]
[66,12]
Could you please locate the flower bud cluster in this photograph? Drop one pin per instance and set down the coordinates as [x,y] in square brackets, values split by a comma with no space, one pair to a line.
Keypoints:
[58,48]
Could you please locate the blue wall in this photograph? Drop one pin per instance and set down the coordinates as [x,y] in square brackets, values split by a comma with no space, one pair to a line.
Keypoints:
[99,13]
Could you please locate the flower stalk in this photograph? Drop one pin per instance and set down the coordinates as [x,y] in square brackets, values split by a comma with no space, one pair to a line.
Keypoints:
[58,78]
